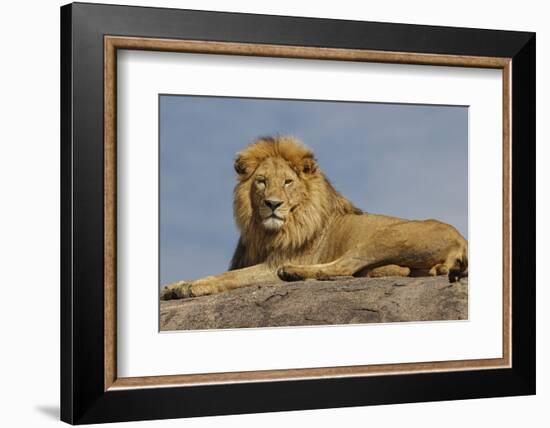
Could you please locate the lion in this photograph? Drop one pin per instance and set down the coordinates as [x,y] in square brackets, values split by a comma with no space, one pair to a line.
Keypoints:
[295,226]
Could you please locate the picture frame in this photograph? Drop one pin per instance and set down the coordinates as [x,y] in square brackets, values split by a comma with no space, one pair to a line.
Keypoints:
[91,391]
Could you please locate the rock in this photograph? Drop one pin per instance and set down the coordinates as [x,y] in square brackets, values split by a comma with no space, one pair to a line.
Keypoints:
[311,302]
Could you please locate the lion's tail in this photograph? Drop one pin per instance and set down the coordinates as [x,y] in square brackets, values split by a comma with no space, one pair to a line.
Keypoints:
[459,268]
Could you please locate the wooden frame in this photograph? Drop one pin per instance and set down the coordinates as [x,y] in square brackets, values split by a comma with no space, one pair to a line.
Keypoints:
[513,53]
[112,43]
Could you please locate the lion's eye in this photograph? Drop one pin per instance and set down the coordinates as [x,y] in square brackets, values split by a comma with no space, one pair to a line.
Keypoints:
[260,182]
[288,181]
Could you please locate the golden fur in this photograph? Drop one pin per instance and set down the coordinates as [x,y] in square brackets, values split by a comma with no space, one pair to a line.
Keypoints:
[294,225]
[318,203]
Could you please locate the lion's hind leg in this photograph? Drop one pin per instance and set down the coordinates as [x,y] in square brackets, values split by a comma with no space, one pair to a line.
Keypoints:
[435,270]
[382,271]
[458,270]
[455,267]
[439,269]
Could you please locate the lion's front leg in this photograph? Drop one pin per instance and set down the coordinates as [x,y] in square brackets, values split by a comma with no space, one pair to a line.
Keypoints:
[344,266]
[219,283]
[185,289]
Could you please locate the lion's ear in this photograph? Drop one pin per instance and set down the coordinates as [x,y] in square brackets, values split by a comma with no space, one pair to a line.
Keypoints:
[240,166]
[309,166]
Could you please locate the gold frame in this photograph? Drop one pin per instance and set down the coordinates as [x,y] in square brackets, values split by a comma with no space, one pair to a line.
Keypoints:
[113,43]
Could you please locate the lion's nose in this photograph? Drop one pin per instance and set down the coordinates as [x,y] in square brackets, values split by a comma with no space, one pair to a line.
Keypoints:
[273,203]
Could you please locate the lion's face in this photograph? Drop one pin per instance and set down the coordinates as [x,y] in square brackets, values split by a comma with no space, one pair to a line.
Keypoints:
[276,191]
[282,200]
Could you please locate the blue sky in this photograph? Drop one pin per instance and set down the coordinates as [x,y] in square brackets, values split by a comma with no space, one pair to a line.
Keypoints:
[403,160]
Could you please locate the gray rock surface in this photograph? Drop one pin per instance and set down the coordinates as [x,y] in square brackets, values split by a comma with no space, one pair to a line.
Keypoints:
[311,302]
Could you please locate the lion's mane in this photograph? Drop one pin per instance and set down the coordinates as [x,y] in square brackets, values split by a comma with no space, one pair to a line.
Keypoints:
[319,205]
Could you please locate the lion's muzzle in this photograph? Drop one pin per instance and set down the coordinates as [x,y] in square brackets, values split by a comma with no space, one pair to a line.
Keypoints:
[273,204]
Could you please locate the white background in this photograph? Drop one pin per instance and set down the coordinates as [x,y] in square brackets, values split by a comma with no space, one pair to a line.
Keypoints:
[29,218]
[143,352]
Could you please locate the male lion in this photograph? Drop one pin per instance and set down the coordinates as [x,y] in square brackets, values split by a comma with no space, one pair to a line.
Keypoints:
[294,225]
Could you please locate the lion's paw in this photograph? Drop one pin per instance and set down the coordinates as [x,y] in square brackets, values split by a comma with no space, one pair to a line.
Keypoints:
[179,290]
[289,273]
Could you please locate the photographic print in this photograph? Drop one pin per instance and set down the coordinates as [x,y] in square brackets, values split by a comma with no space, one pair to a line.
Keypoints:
[284,212]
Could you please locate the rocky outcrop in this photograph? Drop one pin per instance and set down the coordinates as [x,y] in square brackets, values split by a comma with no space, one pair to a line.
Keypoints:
[311,302]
